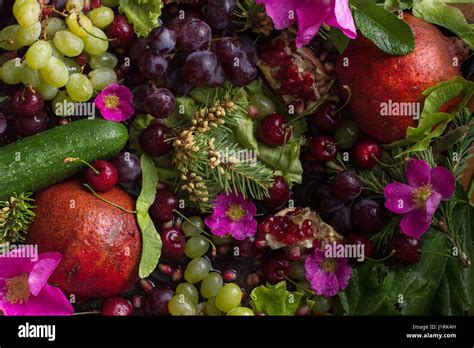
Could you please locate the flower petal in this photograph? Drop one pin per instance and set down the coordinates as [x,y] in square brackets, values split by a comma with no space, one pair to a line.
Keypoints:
[343,273]
[418,173]
[15,262]
[50,301]
[309,23]
[432,205]
[280,12]
[414,223]
[399,198]
[41,272]
[342,18]
[443,182]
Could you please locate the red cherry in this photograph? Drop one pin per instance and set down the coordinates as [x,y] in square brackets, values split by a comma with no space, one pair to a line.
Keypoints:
[173,244]
[358,239]
[273,131]
[82,59]
[116,307]
[163,207]
[323,148]
[153,140]
[407,249]
[121,31]
[279,194]
[363,151]
[325,119]
[277,268]
[106,179]
[26,103]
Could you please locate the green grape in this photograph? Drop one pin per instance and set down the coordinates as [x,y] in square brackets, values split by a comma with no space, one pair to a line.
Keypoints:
[74,5]
[30,77]
[39,55]
[55,52]
[297,270]
[46,91]
[188,290]
[28,35]
[9,38]
[181,305]
[102,78]
[264,104]
[28,13]
[0,73]
[79,24]
[101,17]
[211,285]
[55,73]
[189,228]
[196,247]
[228,297]
[200,308]
[79,88]
[226,240]
[97,44]
[11,71]
[347,134]
[322,304]
[110,3]
[304,284]
[61,104]
[68,43]
[18,3]
[105,60]
[211,309]
[240,311]
[71,65]
[197,270]
[52,25]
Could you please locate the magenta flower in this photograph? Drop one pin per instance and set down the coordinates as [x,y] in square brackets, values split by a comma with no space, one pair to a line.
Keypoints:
[24,289]
[310,14]
[421,197]
[327,276]
[233,215]
[115,103]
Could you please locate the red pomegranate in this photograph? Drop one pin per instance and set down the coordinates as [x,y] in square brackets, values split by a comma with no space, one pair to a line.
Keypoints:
[100,244]
[381,83]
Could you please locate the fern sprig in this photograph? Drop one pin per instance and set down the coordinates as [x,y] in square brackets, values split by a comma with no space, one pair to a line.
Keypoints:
[15,216]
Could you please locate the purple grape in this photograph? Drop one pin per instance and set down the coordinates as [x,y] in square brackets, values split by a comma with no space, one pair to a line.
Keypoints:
[218,13]
[341,220]
[26,126]
[160,103]
[346,185]
[138,48]
[367,216]
[152,65]
[249,47]
[128,166]
[326,200]
[227,48]
[242,71]
[154,140]
[140,92]
[174,82]
[3,124]
[162,40]
[218,78]
[199,67]
[194,36]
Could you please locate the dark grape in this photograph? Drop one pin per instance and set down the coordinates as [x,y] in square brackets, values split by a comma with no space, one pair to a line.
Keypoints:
[153,140]
[249,47]
[346,185]
[341,220]
[175,83]
[121,31]
[160,103]
[241,71]
[26,103]
[138,48]
[179,21]
[199,67]
[218,78]
[162,40]
[152,65]
[227,48]
[128,166]
[140,92]
[367,216]
[31,125]
[3,124]
[156,301]
[218,13]
[326,200]
[195,35]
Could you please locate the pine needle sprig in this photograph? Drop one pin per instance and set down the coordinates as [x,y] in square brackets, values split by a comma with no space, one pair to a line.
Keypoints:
[15,216]
[381,238]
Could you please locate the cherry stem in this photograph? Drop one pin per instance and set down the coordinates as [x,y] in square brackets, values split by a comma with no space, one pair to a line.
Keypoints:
[76,159]
[59,12]
[107,201]
[395,165]
[383,259]
[435,253]
[349,92]
[88,32]
[192,223]
[283,275]
[87,313]
[282,149]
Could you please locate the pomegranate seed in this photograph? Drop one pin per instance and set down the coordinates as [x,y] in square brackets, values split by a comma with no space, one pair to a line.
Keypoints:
[165,269]
[229,276]
[137,301]
[146,285]
[177,275]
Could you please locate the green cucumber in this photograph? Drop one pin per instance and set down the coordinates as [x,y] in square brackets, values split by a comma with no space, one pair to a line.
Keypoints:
[36,162]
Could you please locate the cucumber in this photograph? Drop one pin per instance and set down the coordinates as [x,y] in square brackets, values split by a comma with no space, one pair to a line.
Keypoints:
[36,162]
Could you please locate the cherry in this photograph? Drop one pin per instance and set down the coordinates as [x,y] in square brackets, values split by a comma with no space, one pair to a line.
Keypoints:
[357,239]
[156,301]
[121,31]
[326,119]
[26,103]
[276,268]
[128,166]
[346,185]
[153,140]
[173,243]
[367,216]
[107,177]
[273,131]
[247,248]
[363,151]
[279,194]
[26,127]
[163,206]
[341,220]
[116,307]
[407,249]
[326,200]
[323,148]
[95,4]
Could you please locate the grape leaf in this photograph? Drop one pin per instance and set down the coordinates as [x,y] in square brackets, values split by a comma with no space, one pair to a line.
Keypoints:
[143,14]
[275,299]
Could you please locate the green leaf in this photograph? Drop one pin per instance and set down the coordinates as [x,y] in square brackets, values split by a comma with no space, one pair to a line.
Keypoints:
[339,39]
[396,5]
[143,14]
[446,16]
[184,111]
[391,34]
[275,299]
[151,250]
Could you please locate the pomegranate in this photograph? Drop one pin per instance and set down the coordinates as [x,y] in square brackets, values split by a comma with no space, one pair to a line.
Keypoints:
[100,244]
[379,81]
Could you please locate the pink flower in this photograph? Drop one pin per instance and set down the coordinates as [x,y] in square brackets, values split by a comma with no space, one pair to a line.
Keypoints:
[115,103]
[310,14]
[234,215]
[327,275]
[23,285]
[421,197]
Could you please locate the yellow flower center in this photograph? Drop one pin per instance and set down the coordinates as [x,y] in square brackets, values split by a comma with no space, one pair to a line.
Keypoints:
[112,101]
[421,195]
[328,265]
[235,212]
[17,289]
